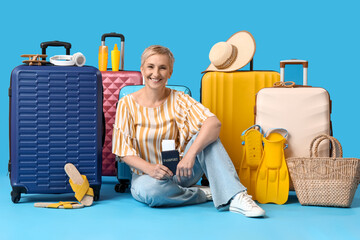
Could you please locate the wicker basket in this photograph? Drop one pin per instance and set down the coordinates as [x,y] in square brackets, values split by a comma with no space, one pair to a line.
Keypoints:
[325,181]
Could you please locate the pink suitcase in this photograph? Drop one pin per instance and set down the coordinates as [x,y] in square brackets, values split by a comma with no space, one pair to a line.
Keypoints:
[112,83]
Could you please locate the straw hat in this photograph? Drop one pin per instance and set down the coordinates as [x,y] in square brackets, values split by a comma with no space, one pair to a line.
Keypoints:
[233,54]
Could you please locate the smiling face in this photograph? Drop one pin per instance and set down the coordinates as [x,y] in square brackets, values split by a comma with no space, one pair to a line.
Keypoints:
[156,70]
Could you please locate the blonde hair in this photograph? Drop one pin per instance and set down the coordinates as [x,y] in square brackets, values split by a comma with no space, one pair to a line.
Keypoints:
[157,49]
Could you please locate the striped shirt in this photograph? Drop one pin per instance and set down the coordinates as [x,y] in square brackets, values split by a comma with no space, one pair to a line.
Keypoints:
[139,131]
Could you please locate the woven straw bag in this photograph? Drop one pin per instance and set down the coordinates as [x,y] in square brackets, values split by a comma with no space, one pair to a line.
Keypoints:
[325,181]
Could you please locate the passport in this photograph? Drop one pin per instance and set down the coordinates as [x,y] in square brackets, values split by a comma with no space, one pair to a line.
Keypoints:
[170,159]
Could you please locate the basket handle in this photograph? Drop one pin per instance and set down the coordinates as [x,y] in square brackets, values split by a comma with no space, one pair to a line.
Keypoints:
[336,146]
[317,139]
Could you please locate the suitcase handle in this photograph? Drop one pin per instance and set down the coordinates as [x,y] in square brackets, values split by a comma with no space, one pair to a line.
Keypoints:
[304,63]
[44,45]
[118,35]
[113,34]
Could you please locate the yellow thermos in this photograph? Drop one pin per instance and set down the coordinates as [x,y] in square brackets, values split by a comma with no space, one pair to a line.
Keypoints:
[115,58]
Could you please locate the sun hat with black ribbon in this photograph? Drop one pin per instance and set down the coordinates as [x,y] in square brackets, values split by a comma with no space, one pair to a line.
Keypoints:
[233,54]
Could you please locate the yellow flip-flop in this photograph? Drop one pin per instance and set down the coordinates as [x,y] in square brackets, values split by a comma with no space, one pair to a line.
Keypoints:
[80,185]
[62,205]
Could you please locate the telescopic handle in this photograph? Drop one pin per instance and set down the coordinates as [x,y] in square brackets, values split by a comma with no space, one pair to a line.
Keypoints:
[113,34]
[117,35]
[66,45]
[304,63]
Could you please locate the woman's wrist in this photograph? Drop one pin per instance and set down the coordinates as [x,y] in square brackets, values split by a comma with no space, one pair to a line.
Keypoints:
[138,163]
[147,168]
[191,153]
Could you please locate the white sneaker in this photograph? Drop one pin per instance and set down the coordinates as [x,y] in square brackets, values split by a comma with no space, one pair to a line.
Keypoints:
[206,190]
[242,203]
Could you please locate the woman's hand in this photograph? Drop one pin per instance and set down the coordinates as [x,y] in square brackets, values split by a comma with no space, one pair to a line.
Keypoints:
[185,166]
[159,171]
[209,132]
[156,171]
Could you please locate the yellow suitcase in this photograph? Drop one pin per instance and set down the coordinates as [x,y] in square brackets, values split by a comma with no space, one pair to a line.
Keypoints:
[231,97]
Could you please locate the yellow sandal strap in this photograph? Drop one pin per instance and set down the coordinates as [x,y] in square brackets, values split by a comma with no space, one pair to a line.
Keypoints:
[81,190]
[67,205]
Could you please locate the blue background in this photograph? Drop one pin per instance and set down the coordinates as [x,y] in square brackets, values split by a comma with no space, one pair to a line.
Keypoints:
[326,33]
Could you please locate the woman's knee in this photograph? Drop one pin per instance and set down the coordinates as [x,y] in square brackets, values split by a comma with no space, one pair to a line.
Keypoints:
[151,192]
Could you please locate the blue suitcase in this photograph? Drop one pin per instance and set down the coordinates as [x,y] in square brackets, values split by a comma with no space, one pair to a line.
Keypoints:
[55,118]
[123,172]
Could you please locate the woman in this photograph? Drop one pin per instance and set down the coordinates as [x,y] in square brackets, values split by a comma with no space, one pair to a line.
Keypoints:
[157,113]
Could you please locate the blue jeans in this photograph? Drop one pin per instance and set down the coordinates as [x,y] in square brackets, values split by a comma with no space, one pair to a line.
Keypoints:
[218,168]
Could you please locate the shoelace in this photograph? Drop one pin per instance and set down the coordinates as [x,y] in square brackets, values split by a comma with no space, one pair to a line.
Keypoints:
[248,200]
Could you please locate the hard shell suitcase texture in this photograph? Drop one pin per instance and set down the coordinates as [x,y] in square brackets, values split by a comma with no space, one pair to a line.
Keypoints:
[303,111]
[123,171]
[55,118]
[231,97]
[113,82]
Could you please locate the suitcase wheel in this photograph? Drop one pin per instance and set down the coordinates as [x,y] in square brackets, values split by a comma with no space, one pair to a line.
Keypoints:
[96,192]
[96,197]
[121,187]
[15,196]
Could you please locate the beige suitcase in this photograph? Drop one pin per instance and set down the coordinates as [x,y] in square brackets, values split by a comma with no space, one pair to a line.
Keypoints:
[303,111]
